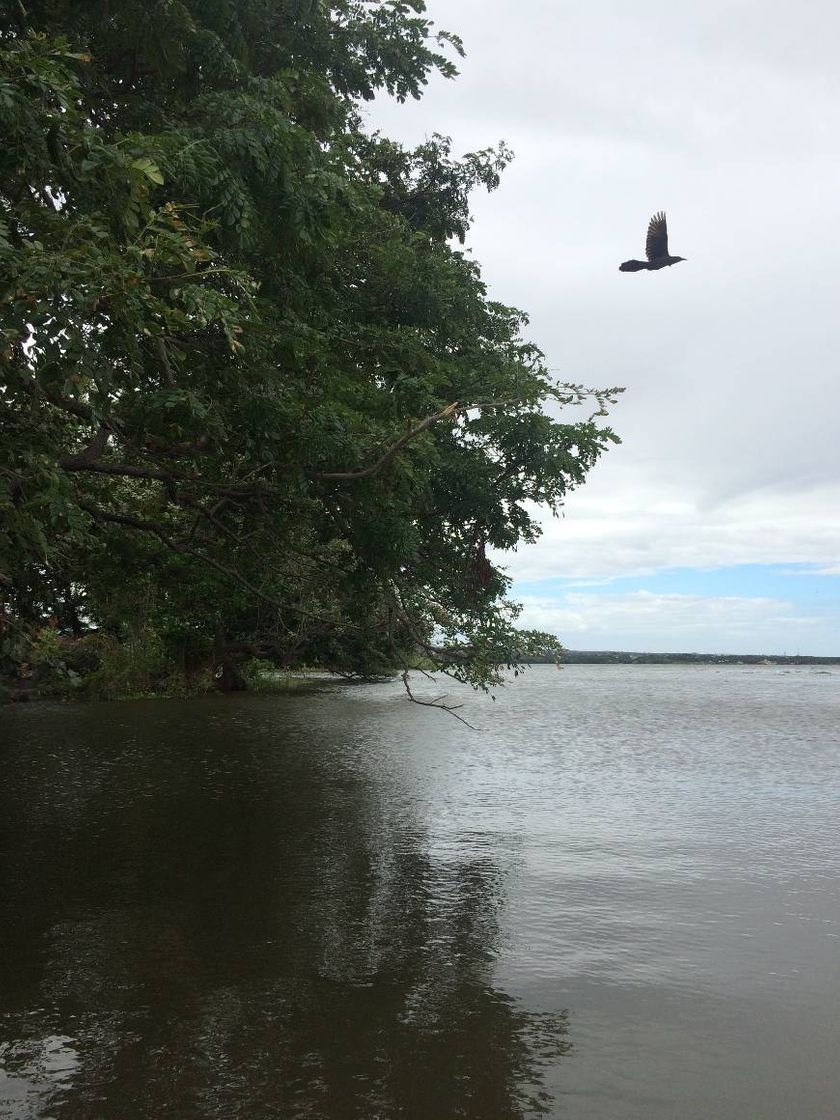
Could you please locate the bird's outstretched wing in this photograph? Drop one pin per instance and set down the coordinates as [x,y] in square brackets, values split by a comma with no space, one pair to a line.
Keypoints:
[657,237]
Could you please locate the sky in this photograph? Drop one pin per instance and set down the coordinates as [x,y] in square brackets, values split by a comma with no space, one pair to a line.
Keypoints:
[715,526]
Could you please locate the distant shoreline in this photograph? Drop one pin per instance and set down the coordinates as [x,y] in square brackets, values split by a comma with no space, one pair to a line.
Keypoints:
[620,657]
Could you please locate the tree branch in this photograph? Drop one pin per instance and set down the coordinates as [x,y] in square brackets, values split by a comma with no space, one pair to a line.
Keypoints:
[70,404]
[394,449]
[187,550]
[86,458]
[78,463]
[450,708]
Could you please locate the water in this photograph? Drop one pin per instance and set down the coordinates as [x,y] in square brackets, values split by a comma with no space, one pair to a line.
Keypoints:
[618,899]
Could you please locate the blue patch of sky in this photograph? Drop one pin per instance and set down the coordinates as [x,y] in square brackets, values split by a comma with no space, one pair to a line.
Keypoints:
[800,583]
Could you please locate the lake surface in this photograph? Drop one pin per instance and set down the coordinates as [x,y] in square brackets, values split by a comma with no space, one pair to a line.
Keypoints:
[617,900]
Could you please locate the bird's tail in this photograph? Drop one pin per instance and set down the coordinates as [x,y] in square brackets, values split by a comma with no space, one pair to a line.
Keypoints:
[632,266]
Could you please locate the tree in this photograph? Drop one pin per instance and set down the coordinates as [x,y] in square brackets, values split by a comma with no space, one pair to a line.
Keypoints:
[254,397]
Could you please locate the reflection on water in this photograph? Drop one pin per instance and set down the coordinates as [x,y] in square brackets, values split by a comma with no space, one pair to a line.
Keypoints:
[33,1071]
[620,900]
[212,912]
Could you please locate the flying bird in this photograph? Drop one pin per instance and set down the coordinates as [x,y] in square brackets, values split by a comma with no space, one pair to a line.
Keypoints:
[656,248]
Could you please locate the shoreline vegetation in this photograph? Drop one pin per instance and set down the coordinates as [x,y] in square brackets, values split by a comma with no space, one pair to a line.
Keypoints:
[97,667]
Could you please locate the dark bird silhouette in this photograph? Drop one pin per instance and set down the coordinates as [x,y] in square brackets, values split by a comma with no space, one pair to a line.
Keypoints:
[656,248]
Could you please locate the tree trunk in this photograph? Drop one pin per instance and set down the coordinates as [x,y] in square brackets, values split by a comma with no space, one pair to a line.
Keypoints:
[228,677]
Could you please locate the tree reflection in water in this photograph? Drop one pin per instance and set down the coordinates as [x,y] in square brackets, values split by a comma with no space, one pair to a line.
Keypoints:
[246,925]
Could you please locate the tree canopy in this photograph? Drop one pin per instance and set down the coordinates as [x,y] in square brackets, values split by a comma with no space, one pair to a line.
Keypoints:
[255,399]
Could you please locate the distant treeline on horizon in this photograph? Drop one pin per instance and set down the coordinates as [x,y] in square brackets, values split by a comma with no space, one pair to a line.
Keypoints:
[620,657]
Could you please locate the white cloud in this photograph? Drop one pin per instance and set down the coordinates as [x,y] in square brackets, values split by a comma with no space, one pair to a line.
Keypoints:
[726,114]
[619,527]
[643,620]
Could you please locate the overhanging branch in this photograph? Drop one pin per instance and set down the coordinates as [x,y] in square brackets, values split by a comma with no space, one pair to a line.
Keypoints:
[450,708]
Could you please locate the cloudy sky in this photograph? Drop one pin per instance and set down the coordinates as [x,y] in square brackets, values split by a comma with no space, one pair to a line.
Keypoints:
[715,526]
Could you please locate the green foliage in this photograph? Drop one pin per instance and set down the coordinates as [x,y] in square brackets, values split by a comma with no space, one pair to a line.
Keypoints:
[47,665]
[255,402]
[131,664]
